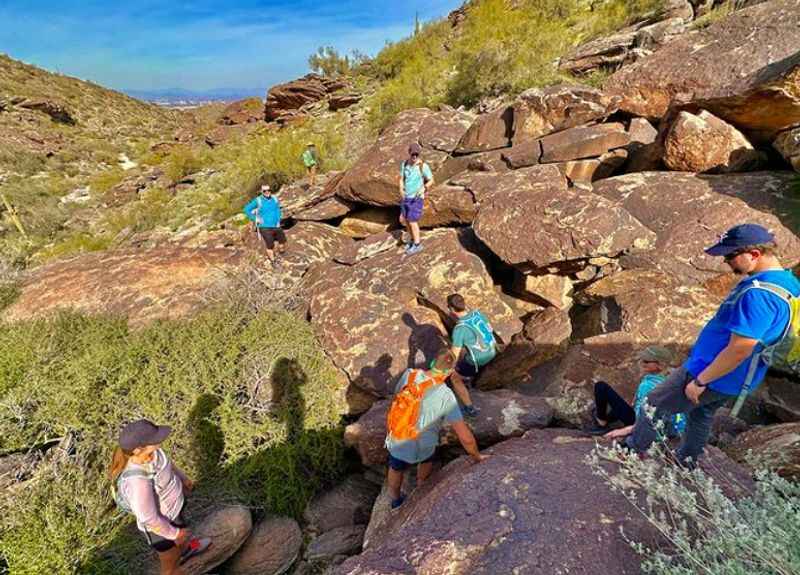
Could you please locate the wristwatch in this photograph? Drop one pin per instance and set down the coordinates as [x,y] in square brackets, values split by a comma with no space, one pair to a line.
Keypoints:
[696,381]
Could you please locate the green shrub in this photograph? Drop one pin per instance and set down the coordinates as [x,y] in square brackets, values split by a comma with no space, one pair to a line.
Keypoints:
[106,179]
[8,294]
[182,161]
[707,531]
[254,403]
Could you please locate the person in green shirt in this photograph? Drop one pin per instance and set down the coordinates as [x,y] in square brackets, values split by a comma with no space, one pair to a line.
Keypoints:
[474,335]
[311,161]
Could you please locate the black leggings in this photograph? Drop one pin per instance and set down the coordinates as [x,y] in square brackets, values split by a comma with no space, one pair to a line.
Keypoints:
[610,405]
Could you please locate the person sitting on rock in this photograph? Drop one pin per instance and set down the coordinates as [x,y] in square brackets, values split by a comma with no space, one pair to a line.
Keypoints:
[416,179]
[152,488]
[265,212]
[725,361]
[474,335]
[610,407]
[311,161]
[421,406]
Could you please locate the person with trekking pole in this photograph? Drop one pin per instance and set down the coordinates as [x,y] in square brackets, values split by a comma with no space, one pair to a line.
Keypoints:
[265,212]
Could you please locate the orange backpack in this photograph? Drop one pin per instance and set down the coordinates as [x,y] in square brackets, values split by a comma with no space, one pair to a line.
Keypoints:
[404,411]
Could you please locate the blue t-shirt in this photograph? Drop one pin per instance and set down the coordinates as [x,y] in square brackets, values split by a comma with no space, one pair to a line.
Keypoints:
[648,384]
[757,314]
[413,182]
[439,406]
[266,212]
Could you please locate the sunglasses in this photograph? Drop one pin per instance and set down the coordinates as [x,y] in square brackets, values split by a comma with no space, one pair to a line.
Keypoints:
[733,255]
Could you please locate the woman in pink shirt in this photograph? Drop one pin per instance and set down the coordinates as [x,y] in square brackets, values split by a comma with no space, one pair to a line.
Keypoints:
[153,489]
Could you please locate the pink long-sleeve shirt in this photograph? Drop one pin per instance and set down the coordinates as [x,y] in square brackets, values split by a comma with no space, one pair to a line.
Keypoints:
[158,502]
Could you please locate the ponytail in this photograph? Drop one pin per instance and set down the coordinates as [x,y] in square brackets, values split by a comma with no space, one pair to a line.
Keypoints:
[118,463]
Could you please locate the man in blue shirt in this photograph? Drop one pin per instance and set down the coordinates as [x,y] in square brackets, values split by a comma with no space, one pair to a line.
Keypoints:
[416,178]
[725,354]
[265,212]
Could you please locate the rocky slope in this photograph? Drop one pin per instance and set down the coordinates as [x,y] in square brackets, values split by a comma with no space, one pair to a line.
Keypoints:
[575,218]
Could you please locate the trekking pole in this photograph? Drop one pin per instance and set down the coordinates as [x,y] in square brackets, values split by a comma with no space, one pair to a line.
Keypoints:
[12,212]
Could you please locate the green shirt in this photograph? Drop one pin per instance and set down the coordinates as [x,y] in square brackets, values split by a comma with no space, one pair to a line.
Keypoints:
[309,158]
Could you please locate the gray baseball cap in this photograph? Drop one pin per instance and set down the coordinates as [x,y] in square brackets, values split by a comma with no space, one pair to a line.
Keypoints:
[657,353]
[142,432]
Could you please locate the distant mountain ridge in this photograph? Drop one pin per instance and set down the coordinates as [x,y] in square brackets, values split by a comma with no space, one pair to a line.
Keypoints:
[180,95]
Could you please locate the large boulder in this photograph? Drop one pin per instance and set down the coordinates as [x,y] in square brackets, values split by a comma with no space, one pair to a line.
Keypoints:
[374,178]
[622,314]
[533,507]
[570,223]
[780,398]
[583,142]
[244,111]
[369,221]
[165,282]
[704,143]
[228,528]
[707,68]
[300,196]
[546,335]
[776,445]
[334,545]
[504,413]
[542,111]
[623,47]
[688,212]
[348,503]
[489,132]
[284,99]
[788,145]
[271,549]
[397,305]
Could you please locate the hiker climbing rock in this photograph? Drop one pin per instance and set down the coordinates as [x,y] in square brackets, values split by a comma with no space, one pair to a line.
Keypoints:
[727,360]
[416,179]
[610,407]
[311,161]
[472,334]
[421,406]
[152,488]
[265,212]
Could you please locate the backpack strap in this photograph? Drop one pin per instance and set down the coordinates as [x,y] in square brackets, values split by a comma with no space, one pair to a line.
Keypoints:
[786,296]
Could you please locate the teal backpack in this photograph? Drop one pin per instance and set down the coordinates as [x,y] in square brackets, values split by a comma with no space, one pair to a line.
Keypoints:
[485,340]
[784,354]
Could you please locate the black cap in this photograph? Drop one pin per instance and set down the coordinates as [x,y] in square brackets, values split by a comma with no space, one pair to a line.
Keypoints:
[142,432]
[740,236]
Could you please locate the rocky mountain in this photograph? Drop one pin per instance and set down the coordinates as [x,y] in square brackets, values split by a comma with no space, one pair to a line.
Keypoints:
[573,216]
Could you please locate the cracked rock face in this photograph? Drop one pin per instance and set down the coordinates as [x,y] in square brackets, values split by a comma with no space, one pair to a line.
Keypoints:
[504,413]
[533,507]
[687,213]
[743,69]
[383,314]
[779,444]
[570,223]
[374,178]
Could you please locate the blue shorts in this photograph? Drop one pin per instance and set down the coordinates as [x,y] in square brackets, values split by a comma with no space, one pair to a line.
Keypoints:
[411,209]
[400,465]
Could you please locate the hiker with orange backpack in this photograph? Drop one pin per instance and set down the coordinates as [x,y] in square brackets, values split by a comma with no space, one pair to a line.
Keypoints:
[421,406]
[150,487]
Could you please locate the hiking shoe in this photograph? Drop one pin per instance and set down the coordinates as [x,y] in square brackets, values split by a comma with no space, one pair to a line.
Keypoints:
[414,249]
[596,429]
[196,546]
[470,411]
[398,502]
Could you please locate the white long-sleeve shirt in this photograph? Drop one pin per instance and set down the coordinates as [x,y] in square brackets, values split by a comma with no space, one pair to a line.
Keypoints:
[158,502]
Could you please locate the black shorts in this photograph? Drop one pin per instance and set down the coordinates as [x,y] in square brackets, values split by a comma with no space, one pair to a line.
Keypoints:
[161,544]
[271,235]
[466,369]
[400,465]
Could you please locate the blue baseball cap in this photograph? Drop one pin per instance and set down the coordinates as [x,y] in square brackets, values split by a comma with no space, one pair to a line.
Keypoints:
[739,237]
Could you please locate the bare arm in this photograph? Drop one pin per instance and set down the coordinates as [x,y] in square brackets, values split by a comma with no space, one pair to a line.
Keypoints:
[468,441]
[738,349]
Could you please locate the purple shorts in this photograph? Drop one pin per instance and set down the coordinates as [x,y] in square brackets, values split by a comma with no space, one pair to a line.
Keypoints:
[411,209]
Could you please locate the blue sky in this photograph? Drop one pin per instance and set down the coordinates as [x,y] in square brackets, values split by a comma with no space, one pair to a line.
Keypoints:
[198,44]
